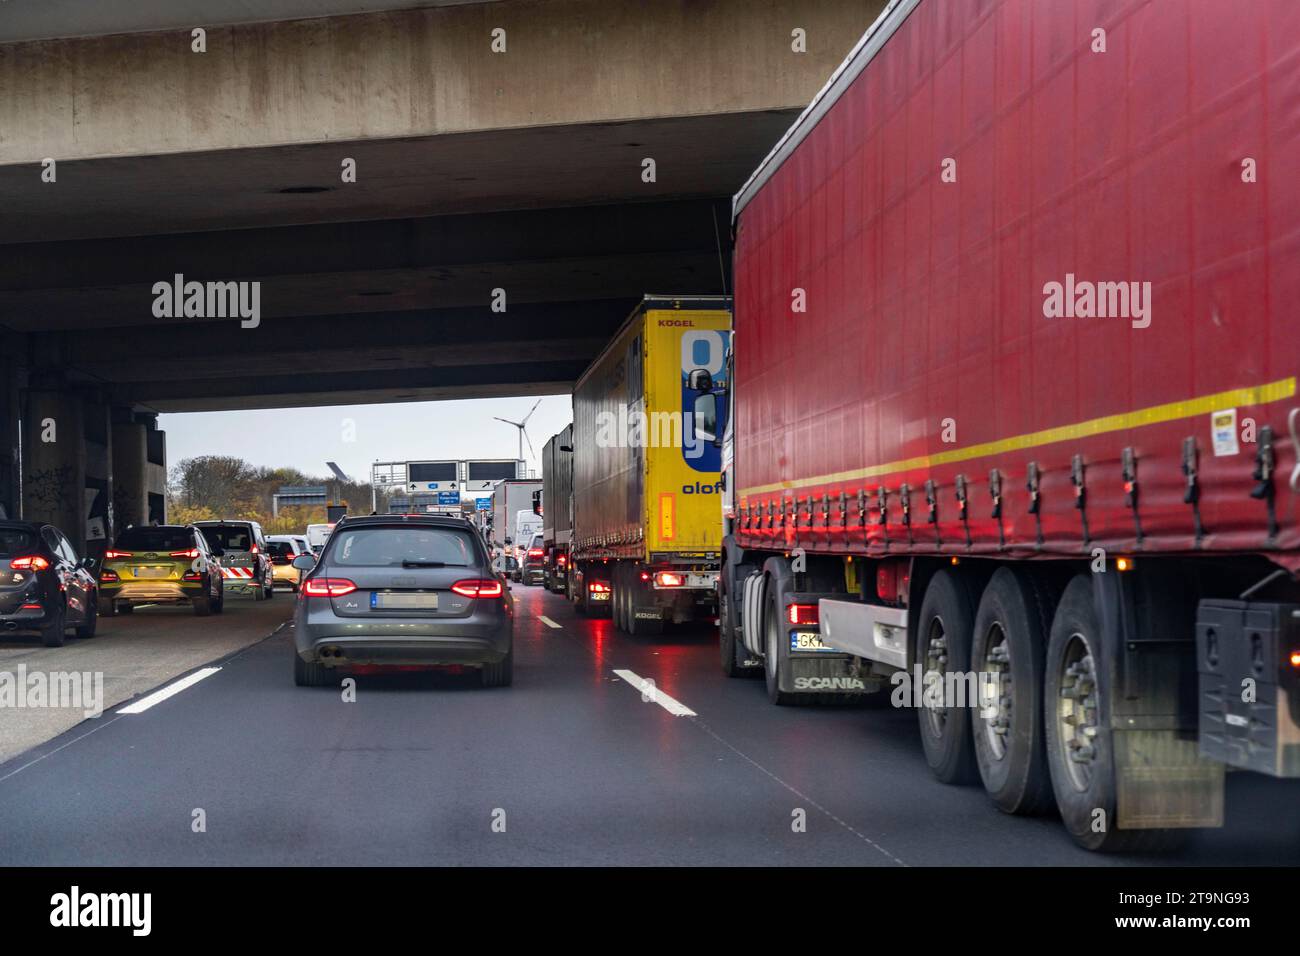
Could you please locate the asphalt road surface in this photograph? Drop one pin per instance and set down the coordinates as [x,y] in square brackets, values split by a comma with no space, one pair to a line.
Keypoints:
[569,766]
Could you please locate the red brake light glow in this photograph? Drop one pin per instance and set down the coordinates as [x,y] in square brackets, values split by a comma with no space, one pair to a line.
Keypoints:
[561,560]
[669,579]
[191,553]
[328,587]
[534,552]
[598,587]
[802,614]
[478,588]
[33,562]
[116,554]
[1295,658]
[108,576]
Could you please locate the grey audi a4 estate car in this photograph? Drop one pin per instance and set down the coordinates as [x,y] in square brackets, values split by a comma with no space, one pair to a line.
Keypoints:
[402,590]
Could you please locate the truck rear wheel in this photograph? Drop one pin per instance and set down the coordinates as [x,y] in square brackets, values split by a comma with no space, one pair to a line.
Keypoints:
[943,645]
[1010,642]
[731,650]
[618,601]
[1078,696]
[773,638]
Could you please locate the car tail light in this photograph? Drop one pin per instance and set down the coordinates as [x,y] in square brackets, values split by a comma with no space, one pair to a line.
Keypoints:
[328,587]
[32,562]
[253,550]
[1295,658]
[30,607]
[116,554]
[108,576]
[535,552]
[561,560]
[598,587]
[191,553]
[802,614]
[478,588]
[669,579]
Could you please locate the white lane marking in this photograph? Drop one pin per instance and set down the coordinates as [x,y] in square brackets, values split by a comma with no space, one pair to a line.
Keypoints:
[650,691]
[171,690]
[547,621]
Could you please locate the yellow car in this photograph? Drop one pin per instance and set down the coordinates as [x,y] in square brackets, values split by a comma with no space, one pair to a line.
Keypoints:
[161,564]
[283,548]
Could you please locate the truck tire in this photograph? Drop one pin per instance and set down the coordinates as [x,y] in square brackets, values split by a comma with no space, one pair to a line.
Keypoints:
[1077,699]
[943,644]
[619,602]
[773,638]
[1010,640]
[574,593]
[730,649]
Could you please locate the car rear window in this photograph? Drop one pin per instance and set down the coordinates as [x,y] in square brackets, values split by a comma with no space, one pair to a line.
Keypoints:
[279,549]
[229,537]
[155,539]
[390,547]
[15,542]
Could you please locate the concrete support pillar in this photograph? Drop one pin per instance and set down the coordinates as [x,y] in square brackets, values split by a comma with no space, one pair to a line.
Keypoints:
[99,474]
[130,467]
[10,415]
[54,461]
[156,470]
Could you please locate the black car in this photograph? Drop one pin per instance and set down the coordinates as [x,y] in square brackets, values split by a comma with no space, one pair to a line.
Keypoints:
[534,569]
[402,590]
[44,586]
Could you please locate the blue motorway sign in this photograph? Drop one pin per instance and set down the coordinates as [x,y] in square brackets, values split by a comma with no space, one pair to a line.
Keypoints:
[449,497]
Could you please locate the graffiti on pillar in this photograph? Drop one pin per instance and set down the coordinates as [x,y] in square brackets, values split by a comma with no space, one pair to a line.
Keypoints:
[52,490]
[126,507]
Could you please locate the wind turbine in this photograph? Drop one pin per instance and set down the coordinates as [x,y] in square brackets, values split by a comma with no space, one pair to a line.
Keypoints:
[523,430]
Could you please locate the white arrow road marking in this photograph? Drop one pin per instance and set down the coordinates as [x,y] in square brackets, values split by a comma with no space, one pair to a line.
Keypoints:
[547,621]
[171,690]
[649,690]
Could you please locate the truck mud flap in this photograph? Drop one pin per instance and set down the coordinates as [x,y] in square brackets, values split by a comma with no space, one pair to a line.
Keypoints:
[826,674]
[1161,779]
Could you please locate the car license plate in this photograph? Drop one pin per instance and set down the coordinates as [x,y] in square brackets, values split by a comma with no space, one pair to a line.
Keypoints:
[808,641]
[701,580]
[152,572]
[387,600]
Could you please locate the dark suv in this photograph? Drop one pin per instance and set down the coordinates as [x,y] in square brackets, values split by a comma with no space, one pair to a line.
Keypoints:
[402,590]
[44,585]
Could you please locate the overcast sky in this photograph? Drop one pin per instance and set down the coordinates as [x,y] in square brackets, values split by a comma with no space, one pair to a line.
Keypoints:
[306,438]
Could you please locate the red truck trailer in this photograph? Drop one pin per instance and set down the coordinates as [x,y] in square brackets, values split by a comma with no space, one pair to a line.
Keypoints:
[1014,401]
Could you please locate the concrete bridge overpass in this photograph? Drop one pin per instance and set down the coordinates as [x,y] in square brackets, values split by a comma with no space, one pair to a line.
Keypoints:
[130,153]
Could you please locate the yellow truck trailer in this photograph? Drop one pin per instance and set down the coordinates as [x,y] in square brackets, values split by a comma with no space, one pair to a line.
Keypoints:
[647,428]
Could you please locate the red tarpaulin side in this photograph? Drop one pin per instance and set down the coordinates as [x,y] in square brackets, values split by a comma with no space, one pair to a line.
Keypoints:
[925,299]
